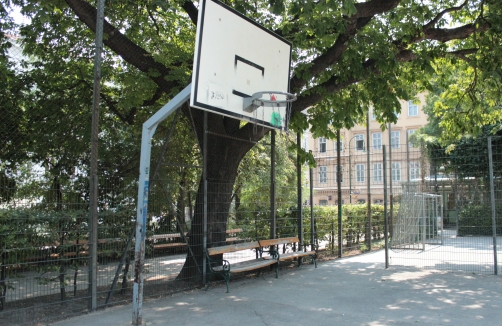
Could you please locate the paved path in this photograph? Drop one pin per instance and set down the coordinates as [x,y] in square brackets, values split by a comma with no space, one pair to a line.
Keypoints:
[349,291]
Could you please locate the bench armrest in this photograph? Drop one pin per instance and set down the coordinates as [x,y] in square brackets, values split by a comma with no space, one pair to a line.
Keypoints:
[274,253]
[224,263]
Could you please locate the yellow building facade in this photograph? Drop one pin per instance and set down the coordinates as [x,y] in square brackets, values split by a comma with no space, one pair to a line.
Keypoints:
[361,155]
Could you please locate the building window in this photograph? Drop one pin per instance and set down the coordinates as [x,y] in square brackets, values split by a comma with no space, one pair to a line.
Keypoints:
[359,140]
[341,146]
[373,115]
[305,143]
[322,145]
[394,139]
[414,170]
[377,140]
[396,171]
[410,132]
[377,173]
[336,174]
[361,201]
[412,109]
[323,202]
[336,202]
[323,174]
[359,172]
[378,201]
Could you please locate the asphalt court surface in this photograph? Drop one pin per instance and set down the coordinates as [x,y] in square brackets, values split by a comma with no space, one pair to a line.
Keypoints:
[350,291]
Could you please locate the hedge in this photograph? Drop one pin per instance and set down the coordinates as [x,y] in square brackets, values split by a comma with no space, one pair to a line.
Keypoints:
[476,220]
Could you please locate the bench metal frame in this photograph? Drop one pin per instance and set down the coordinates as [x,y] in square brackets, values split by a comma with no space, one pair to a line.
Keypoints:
[272,243]
[225,268]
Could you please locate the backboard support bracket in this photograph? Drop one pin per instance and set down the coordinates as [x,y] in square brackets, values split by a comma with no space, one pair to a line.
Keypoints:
[252,103]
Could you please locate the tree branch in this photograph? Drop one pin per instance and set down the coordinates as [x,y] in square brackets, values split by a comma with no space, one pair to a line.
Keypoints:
[365,12]
[192,11]
[125,48]
[459,33]
[154,21]
[441,14]
[334,85]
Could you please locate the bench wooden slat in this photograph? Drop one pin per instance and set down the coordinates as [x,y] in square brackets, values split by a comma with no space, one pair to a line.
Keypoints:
[165,236]
[248,265]
[288,255]
[292,255]
[274,242]
[232,248]
[227,268]
[297,254]
[169,245]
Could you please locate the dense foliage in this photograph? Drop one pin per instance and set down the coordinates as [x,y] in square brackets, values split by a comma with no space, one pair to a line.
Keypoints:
[476,220]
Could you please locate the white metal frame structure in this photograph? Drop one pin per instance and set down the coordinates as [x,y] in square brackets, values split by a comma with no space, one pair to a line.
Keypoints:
[149,128]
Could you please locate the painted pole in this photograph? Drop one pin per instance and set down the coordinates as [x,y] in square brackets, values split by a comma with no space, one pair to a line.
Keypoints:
[148,131]
[492,199]
[93,182]
[273,231]
[312,220]
[386,215]
[204,178]
[299,190]
[339,186]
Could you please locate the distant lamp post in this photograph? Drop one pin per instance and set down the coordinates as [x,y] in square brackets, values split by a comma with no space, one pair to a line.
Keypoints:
[359,147]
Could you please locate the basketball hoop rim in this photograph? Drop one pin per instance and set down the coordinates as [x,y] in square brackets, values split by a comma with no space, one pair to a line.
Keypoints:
[250,104]
[290,97]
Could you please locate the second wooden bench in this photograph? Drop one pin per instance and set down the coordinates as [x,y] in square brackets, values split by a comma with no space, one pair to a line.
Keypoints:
[225,268]
[272,243]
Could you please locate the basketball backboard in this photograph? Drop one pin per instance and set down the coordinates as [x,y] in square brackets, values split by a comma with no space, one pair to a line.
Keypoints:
[234,58]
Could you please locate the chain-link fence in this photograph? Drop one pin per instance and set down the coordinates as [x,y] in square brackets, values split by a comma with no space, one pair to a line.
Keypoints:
[440,217]
[439,205]
[460,230]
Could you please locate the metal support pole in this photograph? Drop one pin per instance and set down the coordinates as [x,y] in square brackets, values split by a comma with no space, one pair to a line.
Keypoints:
[148,131]
[93,181]
[312,220]
[408,162]
[368,183]
[339,182]
[424,223]
[204,178]
[350,175]
[273,230]
[386,215]
[391,194]
[492,199]
[442,220]
[299,189]
[142,207]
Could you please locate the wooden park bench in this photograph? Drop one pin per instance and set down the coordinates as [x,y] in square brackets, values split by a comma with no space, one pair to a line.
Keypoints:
[225,268]
[272,243]
[175,240]
[233,236]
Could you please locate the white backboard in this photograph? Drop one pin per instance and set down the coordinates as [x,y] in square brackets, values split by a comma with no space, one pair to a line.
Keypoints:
[234,58]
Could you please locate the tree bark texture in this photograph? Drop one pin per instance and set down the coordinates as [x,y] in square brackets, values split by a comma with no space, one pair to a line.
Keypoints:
[224,156]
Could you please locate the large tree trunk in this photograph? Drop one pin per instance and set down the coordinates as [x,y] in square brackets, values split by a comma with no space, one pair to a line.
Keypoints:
[227,145]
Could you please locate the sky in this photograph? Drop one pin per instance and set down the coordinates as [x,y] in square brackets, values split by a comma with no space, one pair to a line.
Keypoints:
[18,17]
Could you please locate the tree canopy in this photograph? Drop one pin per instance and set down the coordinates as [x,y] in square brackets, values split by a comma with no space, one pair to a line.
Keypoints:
[347,54]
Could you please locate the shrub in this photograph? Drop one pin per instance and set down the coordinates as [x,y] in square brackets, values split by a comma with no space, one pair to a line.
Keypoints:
[476,220]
